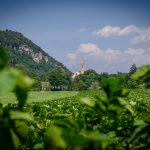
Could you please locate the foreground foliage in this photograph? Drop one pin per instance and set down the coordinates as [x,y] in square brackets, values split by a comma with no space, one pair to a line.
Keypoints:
[112,119]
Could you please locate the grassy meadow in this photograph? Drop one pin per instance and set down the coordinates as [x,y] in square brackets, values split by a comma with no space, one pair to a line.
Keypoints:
[38,96]
[45,96]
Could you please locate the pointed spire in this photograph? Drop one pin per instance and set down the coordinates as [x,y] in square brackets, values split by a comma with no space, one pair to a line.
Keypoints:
[82,66]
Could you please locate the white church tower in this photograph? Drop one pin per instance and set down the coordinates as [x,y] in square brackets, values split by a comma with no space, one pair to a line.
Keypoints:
[81,71]
[82,67]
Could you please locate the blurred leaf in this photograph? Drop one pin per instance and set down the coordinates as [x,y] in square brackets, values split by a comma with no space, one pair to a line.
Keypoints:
[21,96]
[113,88]
[74,140]
[111,84]
[23,81]
[124,92]
[101,98]
[139,122]
[100,137]
[111,134]
[39,146]
[137,131]
[14,80]
[15,139]
[87,102]
[7,82]
[3,57]
[18,115]
[114,108]
[142,74]
[101,106]
[122,101]
[54,138]
[129,108]
[21,129]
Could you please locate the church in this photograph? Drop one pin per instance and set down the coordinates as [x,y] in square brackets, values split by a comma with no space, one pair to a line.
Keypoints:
[81,71]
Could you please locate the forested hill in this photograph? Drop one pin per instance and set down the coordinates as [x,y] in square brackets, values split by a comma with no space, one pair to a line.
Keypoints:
[24,52]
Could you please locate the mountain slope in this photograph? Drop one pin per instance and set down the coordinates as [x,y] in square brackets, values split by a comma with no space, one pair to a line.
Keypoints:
[23,51]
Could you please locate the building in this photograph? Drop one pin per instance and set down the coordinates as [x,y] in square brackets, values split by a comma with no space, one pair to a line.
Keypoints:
[81,71]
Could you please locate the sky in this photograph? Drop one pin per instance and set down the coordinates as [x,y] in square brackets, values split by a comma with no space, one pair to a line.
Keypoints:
[108,35]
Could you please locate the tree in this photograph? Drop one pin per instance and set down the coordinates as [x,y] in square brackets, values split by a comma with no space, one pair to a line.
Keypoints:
[59,79]
[132,69]
[88,80]
[132,83]
[78,84]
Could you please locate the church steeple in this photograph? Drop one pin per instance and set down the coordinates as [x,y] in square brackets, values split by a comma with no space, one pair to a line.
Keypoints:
[82,67]
[81,71]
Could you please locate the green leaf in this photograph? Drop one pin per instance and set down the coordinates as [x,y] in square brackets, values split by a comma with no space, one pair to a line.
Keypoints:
[122,101]
[21,129]
[137,131]
[139,123]
[39,146]
[129,108]
[15,139]
[3,57]
[23,81]
[87,102]
[54,138]
[21,96]
[10,78]
[142,74]
[100,137]
[18,115]
[111,83]
[113,87]
[7,81]
[124,92]
[14,80]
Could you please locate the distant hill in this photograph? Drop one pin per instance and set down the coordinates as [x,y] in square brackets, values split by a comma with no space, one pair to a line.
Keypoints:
[24,52]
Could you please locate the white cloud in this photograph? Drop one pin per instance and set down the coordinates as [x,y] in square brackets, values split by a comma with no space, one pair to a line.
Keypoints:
[111,55]
[128,30]
[116,31]
[135,51]
[138,34]
[89,48]
[71,56]
[109,60]
[107,31]
[143,36]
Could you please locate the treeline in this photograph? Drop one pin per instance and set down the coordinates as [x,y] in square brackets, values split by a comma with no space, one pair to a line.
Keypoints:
[58,79]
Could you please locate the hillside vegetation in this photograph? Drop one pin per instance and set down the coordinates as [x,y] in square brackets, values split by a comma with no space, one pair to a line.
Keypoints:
[24,52]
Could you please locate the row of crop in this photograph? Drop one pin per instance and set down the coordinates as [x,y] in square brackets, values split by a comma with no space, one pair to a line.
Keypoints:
[70,115]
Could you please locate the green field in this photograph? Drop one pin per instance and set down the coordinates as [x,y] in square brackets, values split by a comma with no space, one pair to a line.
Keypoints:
[39,96]
[45,96]
[105,125]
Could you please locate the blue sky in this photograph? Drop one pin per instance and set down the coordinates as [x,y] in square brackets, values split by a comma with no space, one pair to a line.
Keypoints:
[109,35]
